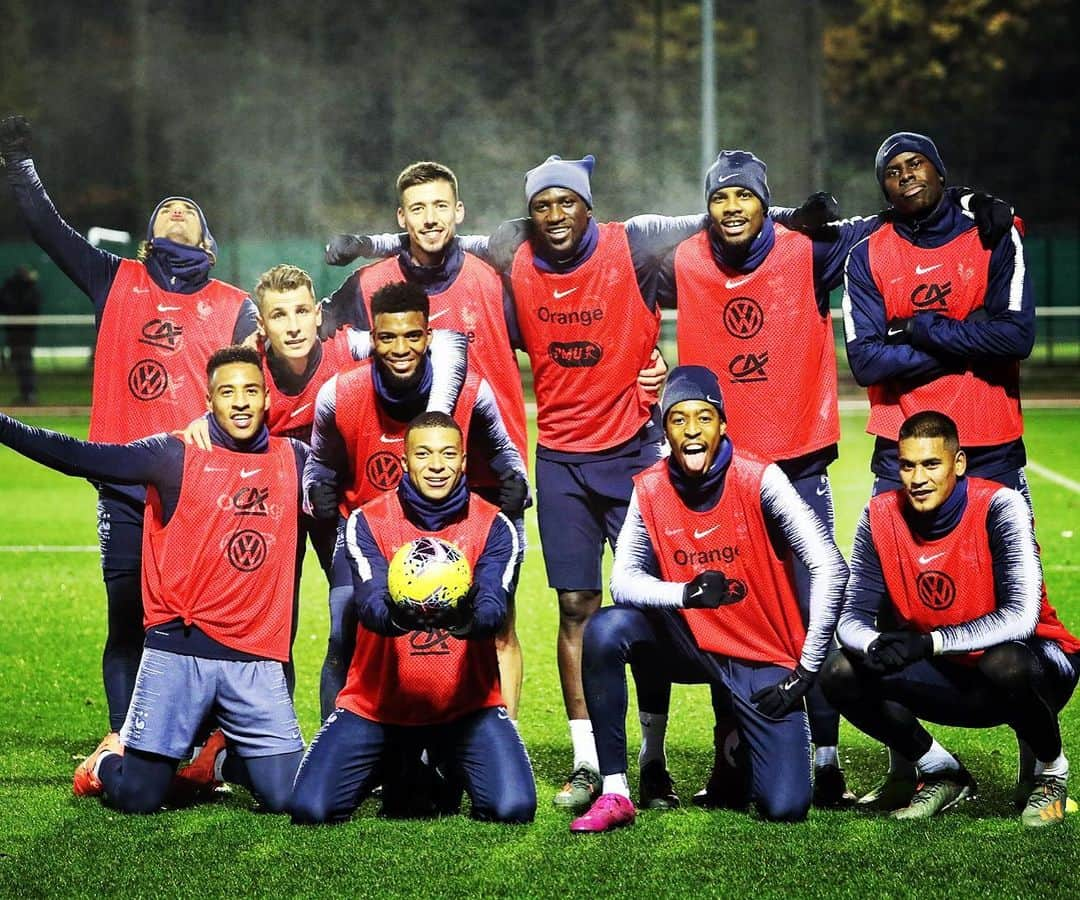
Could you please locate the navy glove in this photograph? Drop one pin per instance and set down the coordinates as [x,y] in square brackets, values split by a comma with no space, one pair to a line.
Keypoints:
[780,699]
[898,331]
[892,651]
[707,590]
[14,139]
[993,218]
[344,248]
[323,500]
[503,244]
[513,495]
[817,211]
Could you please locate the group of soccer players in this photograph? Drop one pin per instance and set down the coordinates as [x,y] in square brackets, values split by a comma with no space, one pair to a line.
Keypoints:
[351,421]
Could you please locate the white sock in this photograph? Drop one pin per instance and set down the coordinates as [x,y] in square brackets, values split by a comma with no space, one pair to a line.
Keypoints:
[616,784]
[653,731]
[826,756]
[581,737]
[219,762]
[1059,767]
[900,765]
[937,759]
[97,763]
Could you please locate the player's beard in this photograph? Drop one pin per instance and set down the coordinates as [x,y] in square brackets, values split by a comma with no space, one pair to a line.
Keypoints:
[400,385]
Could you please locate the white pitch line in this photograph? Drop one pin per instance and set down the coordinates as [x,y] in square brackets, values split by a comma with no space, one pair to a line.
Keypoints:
[1051,475]
[49,548]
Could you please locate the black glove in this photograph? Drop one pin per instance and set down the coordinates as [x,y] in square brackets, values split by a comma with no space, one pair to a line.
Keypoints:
[892,651]
[14,139]
[344,248]
[898,331]
[323,500]
[993,218]
[404,616]
[513,495]
[707,590]
[780,699]
[460,623]
[817,211]
[503,244]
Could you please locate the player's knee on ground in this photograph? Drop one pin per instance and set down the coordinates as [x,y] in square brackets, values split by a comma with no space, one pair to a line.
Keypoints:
[308,808]
[576,607]
[839,681]
[1010,667]
[783,808]
[136,782]
[513,807]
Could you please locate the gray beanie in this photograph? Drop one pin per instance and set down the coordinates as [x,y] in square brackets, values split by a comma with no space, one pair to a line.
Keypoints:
[555,171]
[906,142]
[737,168]
[691,383]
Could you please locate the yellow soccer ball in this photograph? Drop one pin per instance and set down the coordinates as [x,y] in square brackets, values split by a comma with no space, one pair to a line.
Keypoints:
[430,573]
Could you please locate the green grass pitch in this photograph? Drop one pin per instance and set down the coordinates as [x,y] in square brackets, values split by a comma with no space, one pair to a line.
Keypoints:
[52,622]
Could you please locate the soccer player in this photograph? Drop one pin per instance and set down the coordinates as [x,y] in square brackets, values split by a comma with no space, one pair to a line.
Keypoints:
[158,320]
[704,592]
[220,554]
[360,419]
[946,619]
[467,296]
[419,682]
[933,319]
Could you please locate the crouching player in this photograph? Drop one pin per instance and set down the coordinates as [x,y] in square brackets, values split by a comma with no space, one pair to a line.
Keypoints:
[218,565]
[704,592]
[418,681]
[952,560]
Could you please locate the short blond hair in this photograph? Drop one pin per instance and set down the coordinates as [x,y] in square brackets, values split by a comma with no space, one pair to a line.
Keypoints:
[281,278]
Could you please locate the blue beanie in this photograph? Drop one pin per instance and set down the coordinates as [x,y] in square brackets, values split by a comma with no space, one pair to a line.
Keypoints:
[208,242]
[555,171]
[691,383]
[737,168]
[906,142]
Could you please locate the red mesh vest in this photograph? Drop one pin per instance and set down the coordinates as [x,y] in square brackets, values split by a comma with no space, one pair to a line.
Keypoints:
[293,416]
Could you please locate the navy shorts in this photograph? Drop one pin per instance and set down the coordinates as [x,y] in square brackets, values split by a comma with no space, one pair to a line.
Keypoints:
[579,507]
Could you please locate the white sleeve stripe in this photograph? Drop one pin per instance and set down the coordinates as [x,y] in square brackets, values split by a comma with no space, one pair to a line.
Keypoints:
[362,565]
[1016,283]
[508,573]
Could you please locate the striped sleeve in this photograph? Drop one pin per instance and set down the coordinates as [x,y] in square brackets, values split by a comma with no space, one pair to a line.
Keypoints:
[1018,580]
[810,541]
[865,592]
[635,575]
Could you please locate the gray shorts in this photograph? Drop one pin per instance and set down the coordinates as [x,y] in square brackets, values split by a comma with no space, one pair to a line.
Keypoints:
[174,694]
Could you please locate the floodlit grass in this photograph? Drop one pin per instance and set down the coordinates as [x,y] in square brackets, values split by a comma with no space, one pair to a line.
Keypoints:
[52,713]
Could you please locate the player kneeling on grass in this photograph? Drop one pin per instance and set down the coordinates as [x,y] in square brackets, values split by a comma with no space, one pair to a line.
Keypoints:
[951,563]
[704,592]
[423,674]
[218,565]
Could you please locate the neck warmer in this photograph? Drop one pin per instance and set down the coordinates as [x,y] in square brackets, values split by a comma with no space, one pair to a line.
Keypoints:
[755,254]
[403,404]
[177,267]
[585,248]
[284,378]
[703,492]
[433,515]
[939,522]
[219,437]
[437,278]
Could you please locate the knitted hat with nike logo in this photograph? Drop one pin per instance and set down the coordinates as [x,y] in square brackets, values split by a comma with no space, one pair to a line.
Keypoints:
[737,168]
[691,383]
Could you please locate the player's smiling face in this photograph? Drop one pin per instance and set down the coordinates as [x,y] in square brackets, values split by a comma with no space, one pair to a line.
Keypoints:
[928,471]
[559,217]
[430,213]
[912,184]
[399,341]
[694,429]
[237,398]
[179,222]
[290,322]
[434,459]
[737,215]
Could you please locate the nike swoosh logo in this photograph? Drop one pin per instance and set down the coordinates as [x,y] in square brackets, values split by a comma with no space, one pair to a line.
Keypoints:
[822,491]
[919,270]
[895,331]
[161,308]
[558,295]
[727,178]
[926,560]
[698,592]
[299,410]
[435,315]
[734,284]
[244,473]
[698,535]
[390,440]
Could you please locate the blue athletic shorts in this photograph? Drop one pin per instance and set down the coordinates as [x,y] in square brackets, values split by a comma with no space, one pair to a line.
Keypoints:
[249,700]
